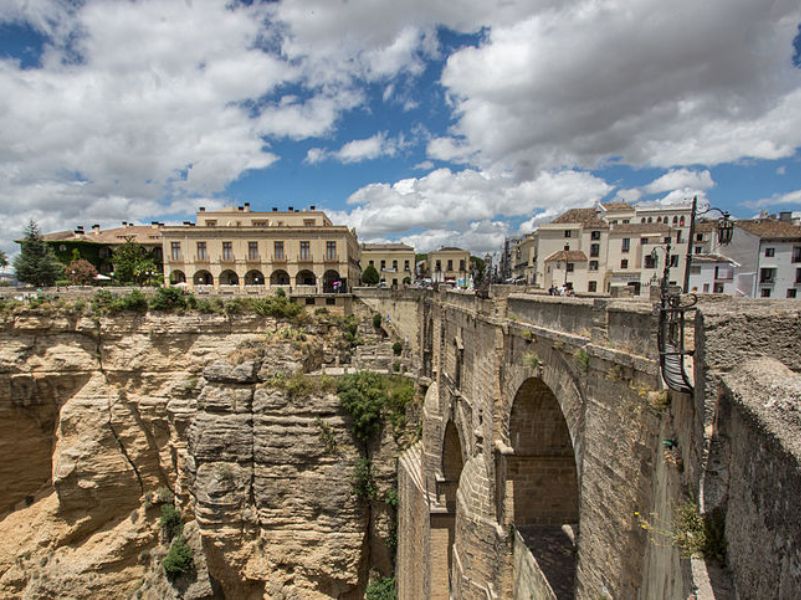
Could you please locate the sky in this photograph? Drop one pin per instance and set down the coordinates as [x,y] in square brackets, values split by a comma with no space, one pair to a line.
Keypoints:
[432,122]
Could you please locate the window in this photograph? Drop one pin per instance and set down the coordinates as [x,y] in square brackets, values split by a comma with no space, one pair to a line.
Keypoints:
[595,235]
[371,262]
[383,264]
[798,275]
[718,288]
[678,238]
[330,301]
[568,233]
[675,219]
[626,221]
[570,267]
[450,265]
[592,286]
[259,223]
[331,250]
[405,265]
[228,252]
[765,292]
[706,288]
[566,247]
[796,254]
[309,301]
[305,250]
[175,250]
[462,265]
[613,222]
[278,250]
[650,262]
[699,237]
[253,250]
[593,265]
[674,260]
[201,251]
[770,252]
[650,220]
[681,221]
[791,293]
[698,249]
[642,220]
[666,240]
[308,222]
[211,223]
[438,266]
[767,275]
[394,282]
[643,240]
[624,264]
[626,245]
[595,249]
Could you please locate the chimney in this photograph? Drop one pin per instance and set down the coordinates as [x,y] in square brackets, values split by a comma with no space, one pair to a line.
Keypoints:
[786,216]
[240,208]
[201,209]
[125,223]
[95,228]
[187,223]
[291,208]
[247,206]
[275,209]
[79,230]
[313,207]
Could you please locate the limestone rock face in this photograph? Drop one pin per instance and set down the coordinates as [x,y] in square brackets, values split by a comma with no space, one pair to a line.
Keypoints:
[103,421]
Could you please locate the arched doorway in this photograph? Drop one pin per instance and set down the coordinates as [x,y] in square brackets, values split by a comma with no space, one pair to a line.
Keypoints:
[332,284]
[254,277]
[228,277]
[539,501]
[177,277]
[279,277]
[306,277]
[203,278]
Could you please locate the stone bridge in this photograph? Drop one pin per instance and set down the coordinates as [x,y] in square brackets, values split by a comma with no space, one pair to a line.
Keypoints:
[552,459]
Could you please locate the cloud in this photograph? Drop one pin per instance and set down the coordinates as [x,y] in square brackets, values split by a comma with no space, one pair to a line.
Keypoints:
[444,200]
[478,237]
[680,179]
[585,82]
[793,197]
[355,151]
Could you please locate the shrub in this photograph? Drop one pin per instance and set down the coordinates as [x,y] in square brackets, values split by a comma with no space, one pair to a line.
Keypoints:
[583,359]
[397,348]
[280,293]
[381,589]
[531,360]
[210,306]
[179,559]
[699,535]
[276,306]
[164,495]
[377,320]
[168,299]
[80,272]
[371,398]
[363,483]
[370,276]
[170,520]
[133,301]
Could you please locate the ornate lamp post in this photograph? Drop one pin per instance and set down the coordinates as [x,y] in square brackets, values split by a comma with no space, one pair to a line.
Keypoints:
[725,231]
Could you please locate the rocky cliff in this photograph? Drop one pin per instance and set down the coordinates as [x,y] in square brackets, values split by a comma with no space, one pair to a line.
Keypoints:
[104,420]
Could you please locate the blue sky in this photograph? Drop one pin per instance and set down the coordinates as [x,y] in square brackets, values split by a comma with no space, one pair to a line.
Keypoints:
[433,122]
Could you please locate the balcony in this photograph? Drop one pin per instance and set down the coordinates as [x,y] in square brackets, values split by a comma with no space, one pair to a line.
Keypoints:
[253,258]
[305,258]
[201,258]
[279,258]
[175,258]
[227,259]
[331,258]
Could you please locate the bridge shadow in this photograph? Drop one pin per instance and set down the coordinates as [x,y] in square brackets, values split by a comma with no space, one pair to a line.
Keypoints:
[554,550]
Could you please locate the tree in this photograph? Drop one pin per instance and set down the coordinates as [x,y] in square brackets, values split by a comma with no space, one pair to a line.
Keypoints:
[36,264]
[3,260]
[81,272]
[479,268]
[370,275]
[132,264]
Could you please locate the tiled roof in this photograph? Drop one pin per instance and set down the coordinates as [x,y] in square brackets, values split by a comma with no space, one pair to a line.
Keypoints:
[143,234]
[387,246]
[617,206]
[585,216]
[706,226]
[567,256]
[770,228]
[660,228]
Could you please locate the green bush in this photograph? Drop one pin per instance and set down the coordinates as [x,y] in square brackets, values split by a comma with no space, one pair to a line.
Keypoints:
[170,520]
[133,301]
[210,306]
[377,320]
[381,589]
[397,348]
[169,299]
[276,306]
[280,293]
[363,482]
[179,559]
[371,398]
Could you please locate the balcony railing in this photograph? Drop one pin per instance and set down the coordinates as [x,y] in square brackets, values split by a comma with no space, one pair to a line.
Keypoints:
[227,258]
[279,258]
[331,258]
[253,258]
[305,258]
[175,258]
[201,258]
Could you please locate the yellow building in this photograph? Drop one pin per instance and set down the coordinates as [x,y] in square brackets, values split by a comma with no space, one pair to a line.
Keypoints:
[301,252]
[394,262]
[449,264]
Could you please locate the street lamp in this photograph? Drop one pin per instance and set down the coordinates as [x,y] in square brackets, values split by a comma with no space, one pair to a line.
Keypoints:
[725,231]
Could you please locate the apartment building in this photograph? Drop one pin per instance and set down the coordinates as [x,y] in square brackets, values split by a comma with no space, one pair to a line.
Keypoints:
[449,264]
[612,248]
[524,261]
[394,262]
[302,252]
[768,252]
